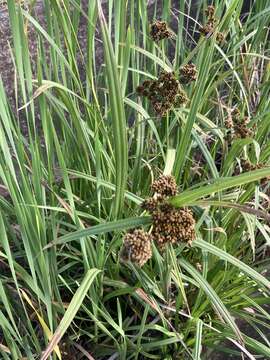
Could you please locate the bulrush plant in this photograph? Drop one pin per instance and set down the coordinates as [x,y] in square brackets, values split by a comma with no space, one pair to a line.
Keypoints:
[102,257]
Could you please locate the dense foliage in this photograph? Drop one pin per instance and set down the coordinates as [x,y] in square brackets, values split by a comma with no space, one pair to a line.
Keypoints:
[178,90]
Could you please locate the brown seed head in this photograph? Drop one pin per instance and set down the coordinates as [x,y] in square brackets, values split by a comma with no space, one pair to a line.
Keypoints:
[137,247]
[210,11]
[207,29]
[171,225]
[152,203]
[228,123]
[220,37]
[188,73]
[181,98]
[159,31]
[165,185]
[163,93]
[140,90]
[240,127]
[246,165]
[146,84]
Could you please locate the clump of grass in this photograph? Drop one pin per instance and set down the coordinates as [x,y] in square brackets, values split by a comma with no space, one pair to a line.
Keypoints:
[72,193]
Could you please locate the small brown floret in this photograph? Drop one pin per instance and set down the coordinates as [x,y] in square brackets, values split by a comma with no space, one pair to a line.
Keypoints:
[146,84]
[228,123]
[137,247]
[240,129]
[181,98]
[207,29]
[242,132]
[246,165]
[140,89]
[236,113]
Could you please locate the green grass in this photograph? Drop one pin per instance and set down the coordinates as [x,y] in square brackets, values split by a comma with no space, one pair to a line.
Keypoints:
[75,186]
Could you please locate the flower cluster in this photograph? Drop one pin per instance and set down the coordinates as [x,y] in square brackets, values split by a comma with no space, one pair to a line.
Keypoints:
[208,28]
[248,166]
[137,247]
[163,93]
[241,129]
[238,126]
[188,73]
[170,225]
[165,185]
[159,31]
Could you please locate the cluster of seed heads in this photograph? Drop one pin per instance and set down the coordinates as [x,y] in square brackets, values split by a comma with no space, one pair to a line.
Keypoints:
[248,166]
[163,93]
[210,12]
[170,225]
[238,126]
[241,129]
[188,73]
[137,247]
[152,203]
[208,28]
[233,114]
[159,31]
[165,185]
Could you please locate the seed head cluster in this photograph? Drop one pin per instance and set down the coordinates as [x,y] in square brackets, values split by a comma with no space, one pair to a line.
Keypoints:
[159,31]
[165,185]
[208,28]
[210,12]
[241,129]
[188,73]
[137,247]
[152,203]
[248,166]
[238,126]
[170,225]
[163,93]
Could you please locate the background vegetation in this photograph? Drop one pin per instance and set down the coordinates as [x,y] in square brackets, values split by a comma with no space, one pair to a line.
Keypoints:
[74,181]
